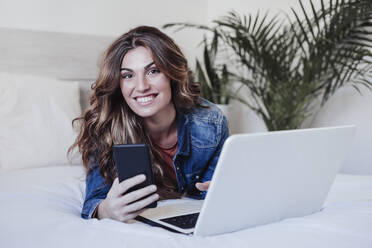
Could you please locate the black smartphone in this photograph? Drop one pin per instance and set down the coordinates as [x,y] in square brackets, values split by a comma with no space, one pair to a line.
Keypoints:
[132,160]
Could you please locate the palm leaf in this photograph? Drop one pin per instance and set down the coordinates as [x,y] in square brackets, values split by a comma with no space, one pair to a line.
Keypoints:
[206,90]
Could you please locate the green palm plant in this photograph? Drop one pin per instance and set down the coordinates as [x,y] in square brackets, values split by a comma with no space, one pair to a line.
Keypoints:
[214,78]
[289,67]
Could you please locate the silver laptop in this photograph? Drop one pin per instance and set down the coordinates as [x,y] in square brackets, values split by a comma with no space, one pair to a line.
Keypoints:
[261,178]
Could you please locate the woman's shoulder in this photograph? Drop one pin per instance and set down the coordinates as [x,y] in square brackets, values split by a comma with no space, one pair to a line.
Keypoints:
[206,125]
[207,112]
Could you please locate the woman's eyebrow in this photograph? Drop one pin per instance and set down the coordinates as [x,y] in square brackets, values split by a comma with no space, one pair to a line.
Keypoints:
[146,67]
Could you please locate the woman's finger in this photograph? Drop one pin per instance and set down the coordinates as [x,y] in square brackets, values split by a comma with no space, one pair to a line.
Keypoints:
[202,186]
[132,215]
[113,187]
[125,185]
[137,194]
[141,204]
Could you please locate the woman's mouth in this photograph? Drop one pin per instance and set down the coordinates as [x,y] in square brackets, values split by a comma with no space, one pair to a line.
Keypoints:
[145,100]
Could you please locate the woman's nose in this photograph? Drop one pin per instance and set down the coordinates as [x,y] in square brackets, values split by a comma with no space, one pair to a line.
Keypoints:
[142,84]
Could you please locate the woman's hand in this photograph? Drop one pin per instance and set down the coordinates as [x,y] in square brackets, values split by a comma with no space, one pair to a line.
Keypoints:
[120,206]
[203,186]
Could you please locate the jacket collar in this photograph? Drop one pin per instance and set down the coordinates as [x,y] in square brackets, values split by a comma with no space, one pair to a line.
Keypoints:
[183,134]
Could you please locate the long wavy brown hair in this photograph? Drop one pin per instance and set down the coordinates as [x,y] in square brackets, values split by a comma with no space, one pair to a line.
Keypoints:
[109,120]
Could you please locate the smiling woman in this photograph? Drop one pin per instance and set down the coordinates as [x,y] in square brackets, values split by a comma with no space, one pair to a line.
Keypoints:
[145,88]
[145,93]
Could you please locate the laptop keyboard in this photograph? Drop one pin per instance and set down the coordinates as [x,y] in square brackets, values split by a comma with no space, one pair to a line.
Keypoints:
[183,221]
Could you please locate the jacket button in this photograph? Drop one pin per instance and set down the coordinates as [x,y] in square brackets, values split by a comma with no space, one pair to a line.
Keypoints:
[177,168]
[197,176]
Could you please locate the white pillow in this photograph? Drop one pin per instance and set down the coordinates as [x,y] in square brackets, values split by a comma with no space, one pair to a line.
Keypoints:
[36,115]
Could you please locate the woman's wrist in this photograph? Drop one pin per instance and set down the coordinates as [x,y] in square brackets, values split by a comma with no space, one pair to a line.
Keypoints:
[98,211]
[95,213]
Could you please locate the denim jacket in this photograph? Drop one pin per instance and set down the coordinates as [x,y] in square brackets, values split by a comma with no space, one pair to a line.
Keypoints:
[201,135]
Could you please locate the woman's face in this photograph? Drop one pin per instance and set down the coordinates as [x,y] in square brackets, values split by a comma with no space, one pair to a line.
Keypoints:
[144,87]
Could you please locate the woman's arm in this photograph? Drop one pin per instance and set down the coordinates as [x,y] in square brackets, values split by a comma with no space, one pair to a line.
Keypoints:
[96,191]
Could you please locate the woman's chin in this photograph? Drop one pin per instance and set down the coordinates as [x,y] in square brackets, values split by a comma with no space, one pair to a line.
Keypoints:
[154,110]
[145,112]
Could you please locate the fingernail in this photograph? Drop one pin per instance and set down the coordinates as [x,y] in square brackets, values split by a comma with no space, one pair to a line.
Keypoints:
[153,187]
[142,176]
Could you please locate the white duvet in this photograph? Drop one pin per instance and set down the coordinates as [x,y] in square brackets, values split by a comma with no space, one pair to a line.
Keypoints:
[41,208]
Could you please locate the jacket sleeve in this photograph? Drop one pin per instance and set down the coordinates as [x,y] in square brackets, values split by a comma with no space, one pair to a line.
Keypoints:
[212,166]
[96,191]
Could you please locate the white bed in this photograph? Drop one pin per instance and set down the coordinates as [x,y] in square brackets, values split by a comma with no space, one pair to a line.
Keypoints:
[41,195]
[40,207]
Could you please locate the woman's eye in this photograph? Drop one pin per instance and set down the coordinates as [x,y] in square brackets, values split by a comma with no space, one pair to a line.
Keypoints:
[126,76]
[153,71]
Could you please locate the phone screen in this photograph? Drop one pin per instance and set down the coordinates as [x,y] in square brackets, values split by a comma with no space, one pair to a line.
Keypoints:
[132,160]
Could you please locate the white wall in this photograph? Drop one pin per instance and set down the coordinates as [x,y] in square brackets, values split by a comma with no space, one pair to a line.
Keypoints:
[106,18]
[347,107]
[218,8]
[110,17]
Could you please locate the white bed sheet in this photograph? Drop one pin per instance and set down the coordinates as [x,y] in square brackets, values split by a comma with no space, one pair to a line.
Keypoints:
[41,208]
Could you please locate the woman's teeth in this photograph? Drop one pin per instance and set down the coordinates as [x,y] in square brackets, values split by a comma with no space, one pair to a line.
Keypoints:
[145,99]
